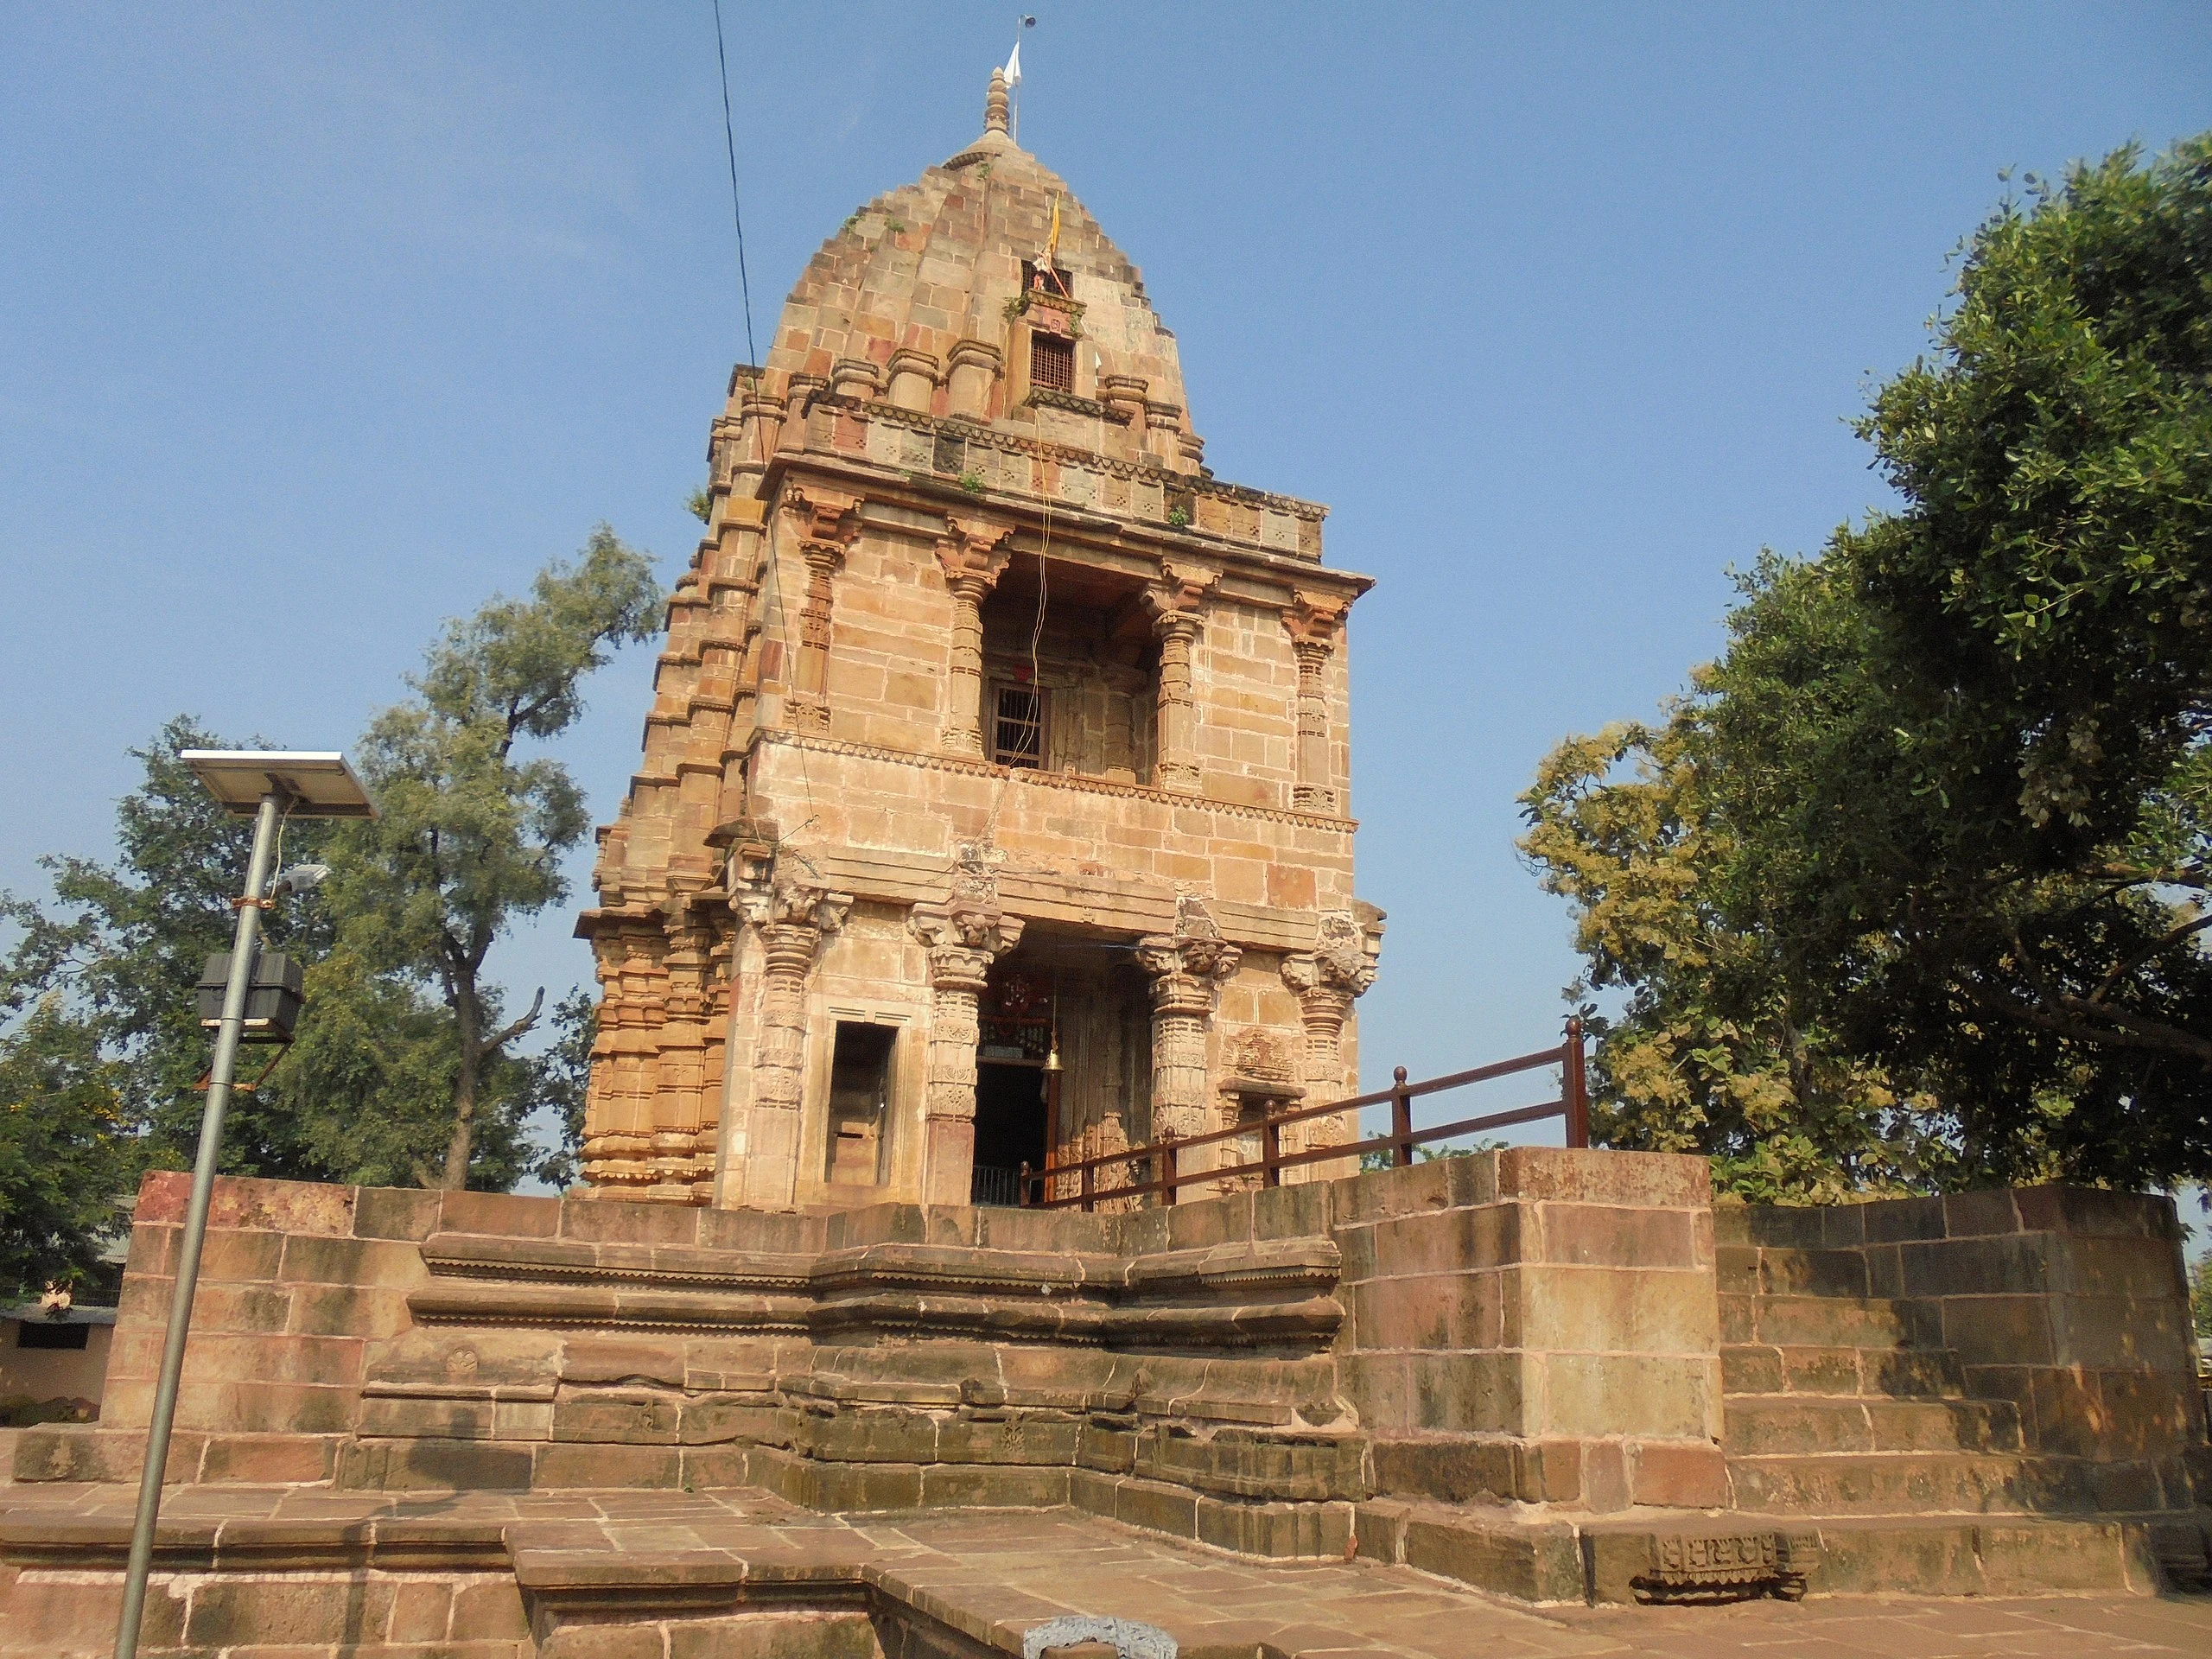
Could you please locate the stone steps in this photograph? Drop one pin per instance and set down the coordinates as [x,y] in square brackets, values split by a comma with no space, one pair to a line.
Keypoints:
[1826,1321]
[1910,1482]
[1802,1424]
[1893,1373]
[1657,1554]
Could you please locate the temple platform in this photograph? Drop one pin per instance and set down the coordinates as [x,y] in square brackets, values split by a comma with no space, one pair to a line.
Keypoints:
[257,1572]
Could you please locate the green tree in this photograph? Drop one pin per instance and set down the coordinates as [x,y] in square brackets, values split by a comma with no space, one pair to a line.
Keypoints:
[67,1151]
[125,944]
[1958,766]
[2200,1297]
[471,833]
[1715,1050]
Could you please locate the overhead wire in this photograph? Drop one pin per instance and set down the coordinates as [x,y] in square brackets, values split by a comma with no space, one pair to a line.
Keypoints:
[771,587]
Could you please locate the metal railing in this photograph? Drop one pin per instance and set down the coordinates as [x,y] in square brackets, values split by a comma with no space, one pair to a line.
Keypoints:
[1049,1188]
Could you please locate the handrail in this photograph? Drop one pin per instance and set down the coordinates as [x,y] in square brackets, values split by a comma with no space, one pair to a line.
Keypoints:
[1165,1155]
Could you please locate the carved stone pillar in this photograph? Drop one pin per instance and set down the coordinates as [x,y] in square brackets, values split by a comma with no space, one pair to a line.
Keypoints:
[793,919]
[618,1148]
[1177,618]
[1187,968]
[1314,624]
[706,1145]
[681,1067]
[1340,968]
[963,939]
[828,526]
[974,555]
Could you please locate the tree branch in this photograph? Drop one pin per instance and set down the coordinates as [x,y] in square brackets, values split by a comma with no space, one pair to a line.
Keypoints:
[494,1044]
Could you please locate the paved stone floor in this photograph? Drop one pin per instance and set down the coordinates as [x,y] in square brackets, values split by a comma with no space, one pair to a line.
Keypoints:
[995,1573]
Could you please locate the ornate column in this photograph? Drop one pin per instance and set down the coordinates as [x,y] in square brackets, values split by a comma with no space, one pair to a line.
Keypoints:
[706,1145]
[618,1147]
[974,555]
[1340,968]
[1187,968]
[682,1060]
[1178,616]
[963,937]
[828,525]
[793,919]
[1314,624]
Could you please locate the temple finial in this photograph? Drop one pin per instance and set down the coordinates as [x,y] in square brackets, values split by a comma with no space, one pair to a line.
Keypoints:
[995,104]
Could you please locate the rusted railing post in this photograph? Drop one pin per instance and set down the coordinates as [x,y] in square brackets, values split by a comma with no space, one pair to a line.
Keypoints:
[1167,1170]
[1271,1152]
[1022,1186]
[1402,1120]
[1088,1187]
[1578,1089]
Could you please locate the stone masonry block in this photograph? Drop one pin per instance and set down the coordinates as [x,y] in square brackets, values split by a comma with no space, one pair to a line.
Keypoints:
[1611,1310]
[1967,1215]
[499,1212]
[1610,1236]
[1558,1173]
[1673,1474]
[1659,1396]
[396,1263]
[2094,1212]
[244,1202]
[607,1222]
[2010,1264]
[394,1212]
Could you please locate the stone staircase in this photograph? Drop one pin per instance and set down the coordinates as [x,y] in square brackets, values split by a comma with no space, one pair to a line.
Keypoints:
[1842,1404]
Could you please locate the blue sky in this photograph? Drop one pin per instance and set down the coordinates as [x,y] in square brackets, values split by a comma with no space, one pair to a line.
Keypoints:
[319,324]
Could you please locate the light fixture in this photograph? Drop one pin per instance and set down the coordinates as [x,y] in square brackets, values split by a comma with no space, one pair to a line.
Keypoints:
[268,786]
[316,786]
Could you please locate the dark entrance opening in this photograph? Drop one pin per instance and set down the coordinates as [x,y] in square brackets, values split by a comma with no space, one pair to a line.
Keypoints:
[1010,1130]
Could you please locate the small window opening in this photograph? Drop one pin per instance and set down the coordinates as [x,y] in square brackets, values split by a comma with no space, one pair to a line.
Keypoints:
[1046,279]
[28,1335]
[1018,731]
[859,1104]
[1051,363]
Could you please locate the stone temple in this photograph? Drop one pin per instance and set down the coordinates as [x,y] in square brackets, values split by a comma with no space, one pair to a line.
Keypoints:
[994,805]
[993,814]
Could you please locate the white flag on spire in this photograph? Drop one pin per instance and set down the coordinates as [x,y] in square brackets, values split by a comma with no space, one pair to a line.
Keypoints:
[1014,66]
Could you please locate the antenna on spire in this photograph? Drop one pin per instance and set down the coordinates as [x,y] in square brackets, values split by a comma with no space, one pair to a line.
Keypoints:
[1013,78]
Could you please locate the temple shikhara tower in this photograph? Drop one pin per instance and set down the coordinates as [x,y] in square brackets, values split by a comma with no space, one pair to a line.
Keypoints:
[995,808]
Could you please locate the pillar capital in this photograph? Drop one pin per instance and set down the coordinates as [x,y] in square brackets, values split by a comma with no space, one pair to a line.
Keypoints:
[963,939]
[1341,963]
[974,553]
[785,910]
[1187,969]
[1177,601]
[1314,621]
[827,521]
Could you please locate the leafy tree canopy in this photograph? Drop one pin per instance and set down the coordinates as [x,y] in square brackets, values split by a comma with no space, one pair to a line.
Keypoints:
[471,833]
[1911,887]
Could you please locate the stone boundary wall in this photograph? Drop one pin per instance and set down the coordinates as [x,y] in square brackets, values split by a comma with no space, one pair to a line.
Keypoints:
[1533,1325]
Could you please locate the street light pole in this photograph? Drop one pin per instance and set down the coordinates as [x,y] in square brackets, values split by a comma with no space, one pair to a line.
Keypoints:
[243,950]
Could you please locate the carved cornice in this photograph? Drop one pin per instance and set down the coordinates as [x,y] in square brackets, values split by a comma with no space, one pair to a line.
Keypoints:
[1044,449]
[1029,778]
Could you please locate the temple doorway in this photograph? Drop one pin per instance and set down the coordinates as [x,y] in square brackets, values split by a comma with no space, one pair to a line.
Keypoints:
[1010,1129]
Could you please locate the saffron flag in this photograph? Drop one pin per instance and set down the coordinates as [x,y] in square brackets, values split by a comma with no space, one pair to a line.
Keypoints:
[1052,242]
